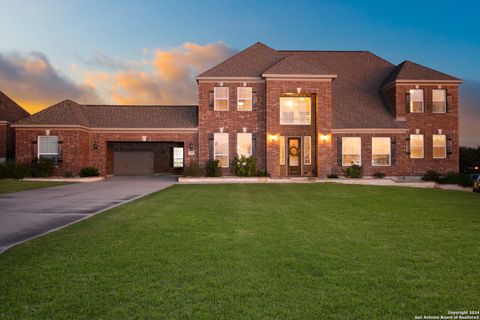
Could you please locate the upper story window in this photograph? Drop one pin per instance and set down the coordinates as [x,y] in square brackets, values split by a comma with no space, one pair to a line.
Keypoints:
[48,147]
[416,146]
[220,99]
[220,149]
[439,146]
[244,144]
[295,110]
[351,151]
[416,100]
[381,151]
[244,100]
[439,101]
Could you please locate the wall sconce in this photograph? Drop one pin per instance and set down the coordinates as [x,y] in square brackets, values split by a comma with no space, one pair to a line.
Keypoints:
[273,137]
[323,137]
[190,146]
[95,146]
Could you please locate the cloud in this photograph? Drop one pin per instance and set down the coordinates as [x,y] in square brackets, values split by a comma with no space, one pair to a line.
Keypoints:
[34,83]
[470,113]
[106,62]
[167,78]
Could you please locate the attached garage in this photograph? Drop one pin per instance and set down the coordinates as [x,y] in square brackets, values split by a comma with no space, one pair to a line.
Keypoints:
[133,162]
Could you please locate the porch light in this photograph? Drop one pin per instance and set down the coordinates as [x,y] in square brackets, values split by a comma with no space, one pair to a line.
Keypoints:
[323,137]
[273,137]
[95,146]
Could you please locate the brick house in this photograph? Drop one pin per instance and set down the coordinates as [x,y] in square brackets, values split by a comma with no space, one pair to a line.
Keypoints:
[10,112]
[300,113]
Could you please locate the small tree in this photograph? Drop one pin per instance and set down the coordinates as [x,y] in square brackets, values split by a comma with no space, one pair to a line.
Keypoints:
[245,166]
[213,168]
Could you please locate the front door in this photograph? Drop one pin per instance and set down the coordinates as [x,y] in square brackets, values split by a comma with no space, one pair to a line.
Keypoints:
[294,152]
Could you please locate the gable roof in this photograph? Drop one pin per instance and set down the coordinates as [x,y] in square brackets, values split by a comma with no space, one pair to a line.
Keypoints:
[9,110]
[115,116]
[408,70]
[296,65]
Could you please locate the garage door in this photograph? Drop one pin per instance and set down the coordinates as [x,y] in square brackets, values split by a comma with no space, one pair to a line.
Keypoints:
[132,162]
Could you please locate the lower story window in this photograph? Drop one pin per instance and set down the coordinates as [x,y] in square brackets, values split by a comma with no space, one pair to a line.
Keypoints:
[220,151]
[244,144]
[48,147]
[381,153]
[416,146]
[351,151]
[439,146]
[178,157]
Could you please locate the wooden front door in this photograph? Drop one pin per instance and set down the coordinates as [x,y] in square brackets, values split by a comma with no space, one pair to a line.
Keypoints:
[294,152]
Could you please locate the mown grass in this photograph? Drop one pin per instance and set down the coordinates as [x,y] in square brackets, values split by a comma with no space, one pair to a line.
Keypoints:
[8,186]
[303,251]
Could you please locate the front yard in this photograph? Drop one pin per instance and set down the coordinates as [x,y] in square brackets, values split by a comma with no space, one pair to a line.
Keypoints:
[303,251]
[8,186]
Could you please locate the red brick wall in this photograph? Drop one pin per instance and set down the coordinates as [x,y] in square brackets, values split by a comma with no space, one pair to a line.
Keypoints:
[4,128]
[232,121]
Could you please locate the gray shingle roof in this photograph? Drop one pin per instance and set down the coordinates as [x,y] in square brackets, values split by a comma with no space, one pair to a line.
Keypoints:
[9,110]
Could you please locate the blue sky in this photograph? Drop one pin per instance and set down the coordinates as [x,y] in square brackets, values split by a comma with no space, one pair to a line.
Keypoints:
[103,43]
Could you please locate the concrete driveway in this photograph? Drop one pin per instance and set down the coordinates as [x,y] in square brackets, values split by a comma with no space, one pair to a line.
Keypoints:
[28,214]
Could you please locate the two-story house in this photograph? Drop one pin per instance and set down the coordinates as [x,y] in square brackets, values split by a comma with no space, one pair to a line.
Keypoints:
[300,113]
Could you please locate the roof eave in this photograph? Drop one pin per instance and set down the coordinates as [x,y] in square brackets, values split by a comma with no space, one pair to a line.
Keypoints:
[299,76]
[416,81]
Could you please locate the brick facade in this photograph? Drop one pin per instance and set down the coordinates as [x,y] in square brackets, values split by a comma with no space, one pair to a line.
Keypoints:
[4,139]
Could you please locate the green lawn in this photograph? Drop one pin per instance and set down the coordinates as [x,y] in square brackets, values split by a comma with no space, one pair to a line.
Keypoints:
[301,251]
[7,186]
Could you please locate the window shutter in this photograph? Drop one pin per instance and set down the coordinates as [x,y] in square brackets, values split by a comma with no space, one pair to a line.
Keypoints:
[254,99]
[449,146]
[393,150]
[407,102]
[60,151]
[211,98]
[34,149]
[210,145]
[339,151]
[254,144]
[449,102]
[407,146]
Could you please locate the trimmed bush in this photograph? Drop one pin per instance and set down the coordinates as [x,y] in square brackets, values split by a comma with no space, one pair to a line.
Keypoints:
[354,171]
[262,173]
[213,168]
[42,168]
[193,171]
[332,176]
[245,166]
[455,178]
[12,170]
[379,175]
[68,174]
[89,172]
[431,175]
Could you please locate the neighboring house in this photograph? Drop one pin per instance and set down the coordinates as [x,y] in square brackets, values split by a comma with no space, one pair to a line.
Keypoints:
[300,113]
[9,113]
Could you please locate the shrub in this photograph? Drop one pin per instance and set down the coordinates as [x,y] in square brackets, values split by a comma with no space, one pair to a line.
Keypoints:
[455,178]
[379,175]
[193,171]
[68,174]
[42,168]
[245,166]
[262,173]
[354,171]
[431,175]
[89,172]
[332,176]
[12,170]
[213,168]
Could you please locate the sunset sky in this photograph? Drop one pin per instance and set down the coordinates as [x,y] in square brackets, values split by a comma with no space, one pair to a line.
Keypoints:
[148,52]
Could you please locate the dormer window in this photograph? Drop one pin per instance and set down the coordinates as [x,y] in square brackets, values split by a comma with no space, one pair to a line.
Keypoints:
[439,101]
[220,99]
[416,100]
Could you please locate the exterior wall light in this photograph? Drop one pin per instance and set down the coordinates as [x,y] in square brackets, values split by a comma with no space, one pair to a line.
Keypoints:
[273,137]
[323,137]
[95,146]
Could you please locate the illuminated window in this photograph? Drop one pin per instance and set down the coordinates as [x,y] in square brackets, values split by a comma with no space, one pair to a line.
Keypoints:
[439,146]
[282,150]
[307,150]
[351,151]
[244,101]
[381,155]
[220,99]
[416,146]
[416,100]
[48,147]
[178,157]
[220,142]
[244,144]
[295,110]
[439,101]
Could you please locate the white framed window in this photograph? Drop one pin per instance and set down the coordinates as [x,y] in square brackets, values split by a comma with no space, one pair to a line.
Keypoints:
[178,157]
[220,149]
[307,150]
[351,151]
[381,151]
[48,147]
[416,146]
[439,101]
[439,146]
[220,96]
[244,99]
[295,110]
[282,149]
[416,100]
[244,144]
